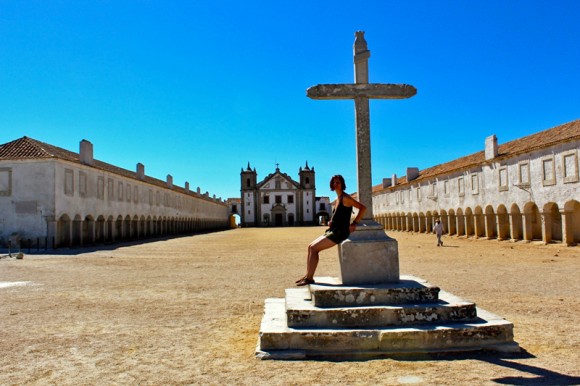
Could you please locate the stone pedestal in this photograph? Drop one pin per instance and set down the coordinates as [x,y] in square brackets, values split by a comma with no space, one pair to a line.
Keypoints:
[332,320]
[369,256]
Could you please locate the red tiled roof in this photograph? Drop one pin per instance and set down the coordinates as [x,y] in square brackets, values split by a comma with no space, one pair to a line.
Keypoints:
[28,148]
[564,133]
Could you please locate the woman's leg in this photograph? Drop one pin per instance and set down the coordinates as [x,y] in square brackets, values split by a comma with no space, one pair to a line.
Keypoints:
[314,248]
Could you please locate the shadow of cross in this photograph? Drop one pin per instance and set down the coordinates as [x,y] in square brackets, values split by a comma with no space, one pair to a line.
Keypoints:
[361,91]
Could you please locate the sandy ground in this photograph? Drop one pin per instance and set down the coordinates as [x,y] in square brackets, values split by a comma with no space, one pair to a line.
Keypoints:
[188,311]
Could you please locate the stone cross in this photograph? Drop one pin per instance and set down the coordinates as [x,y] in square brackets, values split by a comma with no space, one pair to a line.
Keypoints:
[361,91]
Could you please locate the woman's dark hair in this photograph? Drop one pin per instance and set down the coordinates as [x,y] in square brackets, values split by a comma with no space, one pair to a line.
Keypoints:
[341,179]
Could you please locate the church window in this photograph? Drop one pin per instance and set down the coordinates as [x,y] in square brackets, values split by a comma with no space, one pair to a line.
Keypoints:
[321,207]
[290,199]
[234,208]
[278,199]
[307,180]
[266,199]
[278,184]
[248,183]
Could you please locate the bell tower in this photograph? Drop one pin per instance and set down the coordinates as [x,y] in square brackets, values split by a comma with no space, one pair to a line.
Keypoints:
[249,193]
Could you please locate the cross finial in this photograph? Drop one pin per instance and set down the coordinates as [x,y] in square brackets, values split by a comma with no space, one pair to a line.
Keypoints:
[277,167]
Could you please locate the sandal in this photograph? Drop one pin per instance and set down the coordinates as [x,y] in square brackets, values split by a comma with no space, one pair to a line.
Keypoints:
[299,280]
[305,281]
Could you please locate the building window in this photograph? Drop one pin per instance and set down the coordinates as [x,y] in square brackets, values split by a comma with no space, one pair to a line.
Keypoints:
[248,184]
[234,208]
[135,194]
[82,184]
[290,199]
[68,182]
[278,184]
[128,193]
[278,199]
[461,186]
[101,188]
[474,183]
[5,181]
[321,207]
[266,199]
[503,179]
[524,173]
[548,172]
[120,191]
[418,193]
[110,189]
[446,187]
[570,162]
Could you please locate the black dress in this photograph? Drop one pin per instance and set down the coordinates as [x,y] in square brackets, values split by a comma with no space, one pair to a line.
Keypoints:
[340,223]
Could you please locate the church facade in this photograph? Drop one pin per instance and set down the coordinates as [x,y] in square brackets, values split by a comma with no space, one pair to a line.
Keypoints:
[278,200]
[524,190]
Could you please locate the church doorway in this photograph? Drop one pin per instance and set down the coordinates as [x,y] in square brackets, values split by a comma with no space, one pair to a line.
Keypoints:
[278,219]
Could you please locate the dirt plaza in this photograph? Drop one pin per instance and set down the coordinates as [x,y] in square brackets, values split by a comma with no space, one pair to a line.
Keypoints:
[188,310]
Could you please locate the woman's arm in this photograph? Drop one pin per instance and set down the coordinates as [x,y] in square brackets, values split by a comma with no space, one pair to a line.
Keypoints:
[349,201]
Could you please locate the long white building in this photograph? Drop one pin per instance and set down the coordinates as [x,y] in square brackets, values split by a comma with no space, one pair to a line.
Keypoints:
[527,189]
[52,197]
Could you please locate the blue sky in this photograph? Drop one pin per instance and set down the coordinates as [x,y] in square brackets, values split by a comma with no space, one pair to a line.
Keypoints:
[199,89]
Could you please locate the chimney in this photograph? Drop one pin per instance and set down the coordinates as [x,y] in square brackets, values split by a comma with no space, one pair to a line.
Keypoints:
[140,171]
[412,173]
[491,149]
[387,182]
[187,186]
[394,180]
[86,152]
[169,181]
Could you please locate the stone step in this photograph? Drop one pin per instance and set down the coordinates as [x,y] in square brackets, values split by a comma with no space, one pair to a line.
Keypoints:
[301,312]
[278,341]
[328,292]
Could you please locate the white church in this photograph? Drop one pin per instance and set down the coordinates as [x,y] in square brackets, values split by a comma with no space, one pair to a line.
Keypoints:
[278,200]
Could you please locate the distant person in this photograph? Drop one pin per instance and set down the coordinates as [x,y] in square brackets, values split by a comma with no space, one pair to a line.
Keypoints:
[339,227]
[438,229]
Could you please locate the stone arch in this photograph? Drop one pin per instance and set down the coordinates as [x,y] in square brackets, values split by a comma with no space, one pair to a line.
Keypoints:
[571,223]
[415,222]
[503,223]
[469,222]
[100,229]
[135,227]
[142,227]
[422,221]
[490,223]
[460,222]
[77,231]
[89,230]
[409,222]
[552,229]
[478,222]
[452,221]
[127,232]
[428,222]
[445,221]
[516,226]
[110,230]
[63,231]
[119,228]
[532,222]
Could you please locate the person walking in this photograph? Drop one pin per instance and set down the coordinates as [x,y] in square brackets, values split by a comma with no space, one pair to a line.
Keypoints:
[339,227]
[438,229]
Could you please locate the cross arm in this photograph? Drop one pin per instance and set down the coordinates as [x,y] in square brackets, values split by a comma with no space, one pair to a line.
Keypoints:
[365,90]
